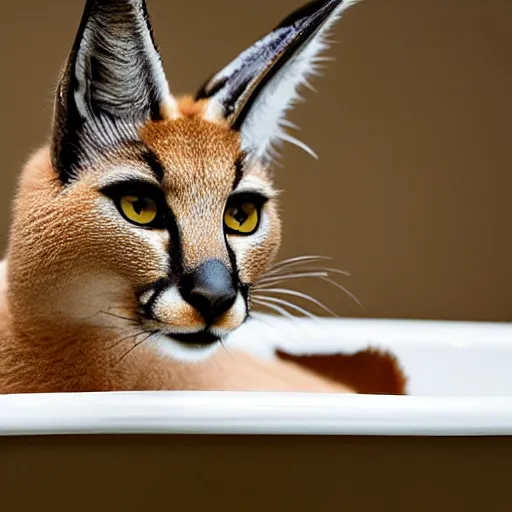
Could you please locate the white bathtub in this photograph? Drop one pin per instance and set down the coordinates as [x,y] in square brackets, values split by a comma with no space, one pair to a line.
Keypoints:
[460,383]
[449,439]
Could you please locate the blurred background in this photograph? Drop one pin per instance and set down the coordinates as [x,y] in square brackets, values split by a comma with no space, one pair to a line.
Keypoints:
[412,125]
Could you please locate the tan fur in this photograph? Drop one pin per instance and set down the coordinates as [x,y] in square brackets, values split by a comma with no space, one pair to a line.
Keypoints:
[370,371]
[72,314]
[188,107]
[199,184]
[65,264]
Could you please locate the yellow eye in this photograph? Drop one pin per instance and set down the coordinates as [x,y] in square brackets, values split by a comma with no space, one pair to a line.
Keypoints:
[242,219]
[140,210]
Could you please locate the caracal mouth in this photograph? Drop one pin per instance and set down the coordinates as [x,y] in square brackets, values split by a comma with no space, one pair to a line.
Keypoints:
[186,347]
[203,339]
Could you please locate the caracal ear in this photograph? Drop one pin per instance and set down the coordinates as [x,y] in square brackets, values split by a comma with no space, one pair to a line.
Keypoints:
[113,83]
[255,91]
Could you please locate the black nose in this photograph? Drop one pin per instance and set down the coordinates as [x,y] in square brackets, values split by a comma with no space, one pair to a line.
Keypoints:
[210,290]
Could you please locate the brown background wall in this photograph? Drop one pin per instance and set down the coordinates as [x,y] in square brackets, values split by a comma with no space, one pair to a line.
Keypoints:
[411,193]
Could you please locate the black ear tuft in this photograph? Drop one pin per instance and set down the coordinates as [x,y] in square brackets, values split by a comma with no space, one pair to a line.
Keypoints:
[112,84]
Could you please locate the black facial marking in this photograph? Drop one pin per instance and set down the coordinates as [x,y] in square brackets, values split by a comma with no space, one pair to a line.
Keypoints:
[156,290]
[234,264]
[154,163]
[239,169]
[245,290]
[248,196]
[175,269]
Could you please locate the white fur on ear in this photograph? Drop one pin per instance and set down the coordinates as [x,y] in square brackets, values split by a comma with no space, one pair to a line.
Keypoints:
[117,66]
[258,88]
[113,84]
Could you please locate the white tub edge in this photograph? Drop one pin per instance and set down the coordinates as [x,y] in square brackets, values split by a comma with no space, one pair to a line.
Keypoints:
[257,414]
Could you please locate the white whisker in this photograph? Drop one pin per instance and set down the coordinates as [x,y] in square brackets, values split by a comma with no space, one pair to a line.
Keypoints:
[276,309]
[287,277]
[294,293]
[300,267]
[290,305]
[342,288]
[302,258]
[293,262]
[260,317]
[325,269]
[334,271]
